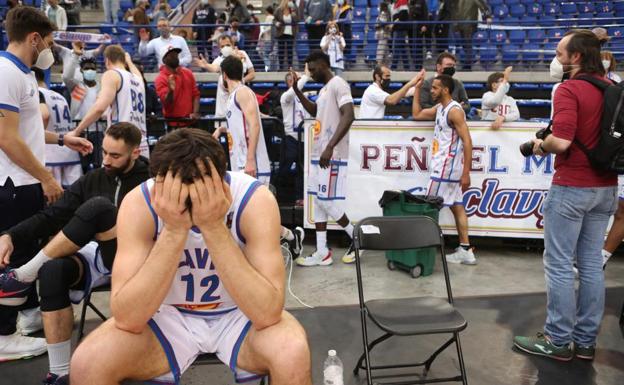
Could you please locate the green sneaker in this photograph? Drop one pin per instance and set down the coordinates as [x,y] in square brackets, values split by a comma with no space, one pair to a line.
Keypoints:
[585,352]
[540,345]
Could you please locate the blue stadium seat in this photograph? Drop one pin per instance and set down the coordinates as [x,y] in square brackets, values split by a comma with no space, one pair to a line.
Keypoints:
[3,3]
[552,9]
[360,4]
[527,3]
[603,6]
[301,46]
[517,36]
[374,12]
[374,3]
[569,9]
[536,36]
[358,26]
[370,49]
[501,11]
[511,54]
[498,37]
[585,17]
[357,43]
[359,14]
[487,54]
[535,10]
[480,37]
[555,34]
[605,18]
[512,2]
[126,39]
[496,3]
[616,32]
[531,53]
[529,21]
[618,6]
[548,20]
[586,8]
[126,4]
[517,10]
[174,3]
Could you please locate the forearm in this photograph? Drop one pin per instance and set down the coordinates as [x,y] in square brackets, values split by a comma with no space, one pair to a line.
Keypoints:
[254,136]
[343,128]
[396,97]
[19,153]
[251,75]
[92,116]
[416,107]
[169,98]
[467,155]
[196,105]
[131,308]
[257,298]
[51,137]
[307,104]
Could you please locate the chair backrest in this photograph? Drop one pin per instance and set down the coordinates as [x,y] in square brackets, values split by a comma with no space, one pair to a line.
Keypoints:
[396,233]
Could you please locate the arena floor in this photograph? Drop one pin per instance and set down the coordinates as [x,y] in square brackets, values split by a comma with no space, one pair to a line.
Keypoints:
[500,297]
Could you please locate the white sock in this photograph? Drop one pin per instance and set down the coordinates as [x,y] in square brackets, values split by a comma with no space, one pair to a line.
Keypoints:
[29,272]
[59,356]
[287,234]
[321,241]
[605,256]
[349,230]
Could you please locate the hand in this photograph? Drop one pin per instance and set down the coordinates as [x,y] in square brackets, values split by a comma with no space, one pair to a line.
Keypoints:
[239,53]
[423,29]
[217,133]
[171,82]
[488,20]
[128,59]
[52,190]
[419,79]
[143,34]
[306,71]
[537,148]
[210,197]
[78,47]
[251,168]
[295,77]
[195,115]
[169,202]
[318,22]
[465,181]
[107,38]
[76,143]
[6,249]
[507,72]
[496,124]
[326,156]
[200,62]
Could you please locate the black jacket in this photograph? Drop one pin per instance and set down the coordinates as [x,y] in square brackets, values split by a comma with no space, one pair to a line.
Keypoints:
[51,219]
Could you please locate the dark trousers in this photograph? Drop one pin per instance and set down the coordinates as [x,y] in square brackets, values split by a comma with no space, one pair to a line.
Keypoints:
[17,204]
[315,34]
[466,31]
[291,165]
[401,49]
[285,45]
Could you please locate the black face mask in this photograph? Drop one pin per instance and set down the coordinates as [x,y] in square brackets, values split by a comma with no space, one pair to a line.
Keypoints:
[385,84]
[450,71]
[172,62]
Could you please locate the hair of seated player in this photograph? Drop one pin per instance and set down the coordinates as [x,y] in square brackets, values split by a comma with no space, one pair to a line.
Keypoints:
[178,150]
[55,280]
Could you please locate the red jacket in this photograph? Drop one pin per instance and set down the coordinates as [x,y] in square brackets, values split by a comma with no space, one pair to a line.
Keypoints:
[185,92]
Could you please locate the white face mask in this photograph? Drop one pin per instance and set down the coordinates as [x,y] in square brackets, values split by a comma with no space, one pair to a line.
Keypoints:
[226,51]
[45,59]
[606,64]
[89,75]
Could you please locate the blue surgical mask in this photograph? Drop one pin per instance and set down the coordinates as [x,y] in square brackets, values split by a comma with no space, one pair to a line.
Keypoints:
[89,75]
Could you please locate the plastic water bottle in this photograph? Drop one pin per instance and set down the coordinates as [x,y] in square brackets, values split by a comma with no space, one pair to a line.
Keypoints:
[332,369]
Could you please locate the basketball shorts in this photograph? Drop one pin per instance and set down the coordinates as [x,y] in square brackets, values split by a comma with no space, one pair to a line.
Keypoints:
[451,192]
[328,183]
[66,174]
[186,336]
[96,273]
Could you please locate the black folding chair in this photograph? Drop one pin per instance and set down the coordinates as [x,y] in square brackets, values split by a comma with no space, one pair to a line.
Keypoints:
[86,302]
[406,316]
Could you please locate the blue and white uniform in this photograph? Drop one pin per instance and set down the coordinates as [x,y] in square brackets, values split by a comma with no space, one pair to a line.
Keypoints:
[129,106]
[96,274]
[238,140]
[198,315]
[447,158]
[63,162]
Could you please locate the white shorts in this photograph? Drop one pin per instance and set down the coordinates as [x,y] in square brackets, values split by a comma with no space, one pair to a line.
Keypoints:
[328,183]
[96,273]
[621,187]
[451,192]
[66,174]
[186,336]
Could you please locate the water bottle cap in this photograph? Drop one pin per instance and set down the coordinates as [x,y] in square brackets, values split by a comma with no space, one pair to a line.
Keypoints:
[331,353]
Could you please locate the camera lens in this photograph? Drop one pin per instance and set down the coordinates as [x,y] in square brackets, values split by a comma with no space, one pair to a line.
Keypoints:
[526,149]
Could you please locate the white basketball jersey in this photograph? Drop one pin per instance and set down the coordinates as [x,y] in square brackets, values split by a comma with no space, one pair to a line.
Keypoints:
[238,139]
[60,122]
[129,106]
[447,149]
[196,288]
[335,94]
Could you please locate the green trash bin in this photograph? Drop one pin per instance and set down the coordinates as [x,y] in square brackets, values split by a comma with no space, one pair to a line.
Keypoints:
[418,262]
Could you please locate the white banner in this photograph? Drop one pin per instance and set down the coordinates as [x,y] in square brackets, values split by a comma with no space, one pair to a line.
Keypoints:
[507,190]
[82,36]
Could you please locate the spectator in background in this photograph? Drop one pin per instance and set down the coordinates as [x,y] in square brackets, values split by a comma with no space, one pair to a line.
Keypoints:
[152,103]
[421,33]
[317,13]
[83,87]
[343,15]
[138,15]
[608,62]
[468,10]
[154,46]
[445,65]
[254,31]
[286,27]
[111,7]
[240,12]
[57,15]
[377,96]
[204,15]
[214,40]
[383,32]
[401,34]
[602,35]
[265,39]
[238,38]
[163,5]
[161,12]
[177,89]
[183,34]
[333,44]
[76,54]
[496,105]
[441,29]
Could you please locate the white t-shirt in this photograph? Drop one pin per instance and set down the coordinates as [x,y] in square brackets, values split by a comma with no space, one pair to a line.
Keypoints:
[222,92]
[334,50]
[292,109]
[155,46]
[373,103]
[20,94]
[335,94]
[495,104]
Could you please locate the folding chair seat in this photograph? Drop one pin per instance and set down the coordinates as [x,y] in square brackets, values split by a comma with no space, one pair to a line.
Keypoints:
[496,3]
[517,10]
[498,37]
[86,302]
[527,3]
[552,9]
[535,9]
[512,2]
[511,54]
[536,36]
[586,7]
[408,316]
[603,6]
[501,11]
[604,18]
[480,37]
[568,9]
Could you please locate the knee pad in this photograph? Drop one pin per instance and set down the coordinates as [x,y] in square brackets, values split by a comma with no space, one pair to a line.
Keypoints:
[96,215]
[55,279]
[108,249]
[332,208]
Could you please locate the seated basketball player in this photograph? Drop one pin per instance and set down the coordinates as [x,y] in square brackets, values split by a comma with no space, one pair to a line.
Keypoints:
[198,269]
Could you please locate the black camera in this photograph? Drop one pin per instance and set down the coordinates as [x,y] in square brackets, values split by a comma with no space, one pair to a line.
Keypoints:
[526,149]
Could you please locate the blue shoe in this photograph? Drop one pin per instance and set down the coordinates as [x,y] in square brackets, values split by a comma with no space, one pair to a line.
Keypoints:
[53,379]
[12,291]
